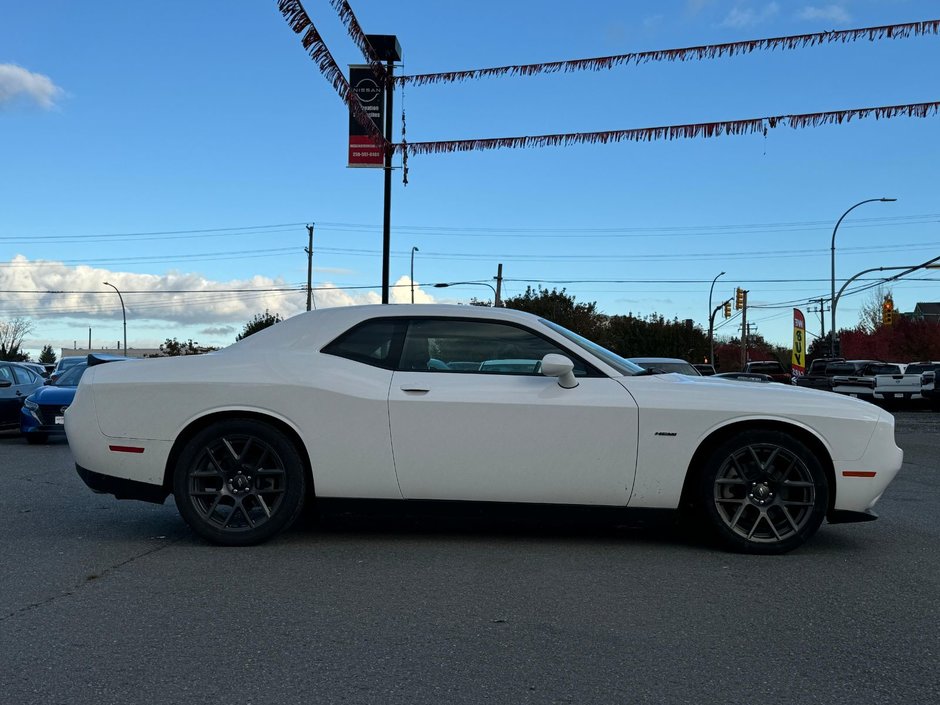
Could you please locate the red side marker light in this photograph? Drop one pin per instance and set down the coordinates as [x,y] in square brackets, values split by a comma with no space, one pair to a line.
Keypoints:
[126,449]
[858,473]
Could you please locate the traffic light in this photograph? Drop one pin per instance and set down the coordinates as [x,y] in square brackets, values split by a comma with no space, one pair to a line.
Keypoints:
[728,308]
[739,296]
[887,311]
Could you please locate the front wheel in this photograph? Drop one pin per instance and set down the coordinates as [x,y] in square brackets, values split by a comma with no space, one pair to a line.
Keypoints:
[763,492]
[239,482]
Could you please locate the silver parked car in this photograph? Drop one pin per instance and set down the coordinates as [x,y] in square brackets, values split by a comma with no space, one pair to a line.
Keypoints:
[16,383]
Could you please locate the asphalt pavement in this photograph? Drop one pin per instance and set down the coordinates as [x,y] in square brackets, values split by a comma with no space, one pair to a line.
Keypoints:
[103,601]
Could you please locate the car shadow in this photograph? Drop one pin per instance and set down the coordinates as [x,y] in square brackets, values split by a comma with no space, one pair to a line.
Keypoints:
[483,523]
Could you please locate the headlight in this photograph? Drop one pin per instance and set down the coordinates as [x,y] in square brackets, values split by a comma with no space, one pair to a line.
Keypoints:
[31,405]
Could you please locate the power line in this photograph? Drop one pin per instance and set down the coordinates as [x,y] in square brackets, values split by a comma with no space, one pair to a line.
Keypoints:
[157,234]
[518,231]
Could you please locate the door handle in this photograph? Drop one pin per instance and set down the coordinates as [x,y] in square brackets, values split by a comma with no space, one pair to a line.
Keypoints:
[420,390]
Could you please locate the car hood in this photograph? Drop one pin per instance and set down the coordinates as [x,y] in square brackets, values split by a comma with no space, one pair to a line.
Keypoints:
[766,398]
[51,395]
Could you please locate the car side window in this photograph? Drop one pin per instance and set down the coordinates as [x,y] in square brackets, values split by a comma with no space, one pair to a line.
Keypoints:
[22,376]
[375,343]
[469,346]
[6,373]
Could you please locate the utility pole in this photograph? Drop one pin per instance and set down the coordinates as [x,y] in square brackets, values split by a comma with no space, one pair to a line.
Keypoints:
[744,329]
[309,250]
[822,315]
[499,284]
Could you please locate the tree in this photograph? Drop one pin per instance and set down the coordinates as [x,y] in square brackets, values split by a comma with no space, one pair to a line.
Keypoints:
[47,356]
[561,308]
[11,339]
[259,322]
[654,336]
[870,315]
[904,341]
[175,348]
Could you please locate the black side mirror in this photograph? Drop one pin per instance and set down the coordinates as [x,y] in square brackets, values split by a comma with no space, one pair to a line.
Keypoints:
[4,383]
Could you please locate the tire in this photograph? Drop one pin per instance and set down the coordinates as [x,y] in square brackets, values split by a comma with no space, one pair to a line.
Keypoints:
[763,492]
[239,482]
[34,439]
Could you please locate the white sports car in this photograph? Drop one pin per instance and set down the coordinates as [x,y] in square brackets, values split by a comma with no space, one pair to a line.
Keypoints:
[469,404]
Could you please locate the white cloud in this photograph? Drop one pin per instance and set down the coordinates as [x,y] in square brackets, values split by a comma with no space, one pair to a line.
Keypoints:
[17,83]
[218,331]
[742,16]
[693,7]
[67,292]
[832,13]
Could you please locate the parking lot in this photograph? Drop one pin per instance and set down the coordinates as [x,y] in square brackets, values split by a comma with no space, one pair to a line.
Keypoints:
[115,602]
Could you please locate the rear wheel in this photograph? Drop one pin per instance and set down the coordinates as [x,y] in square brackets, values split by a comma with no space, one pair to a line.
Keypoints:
[763,492]
[239,482]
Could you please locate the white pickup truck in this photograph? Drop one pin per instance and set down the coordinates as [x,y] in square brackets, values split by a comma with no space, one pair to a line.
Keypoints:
[904,386]
[856,378]
[917,382]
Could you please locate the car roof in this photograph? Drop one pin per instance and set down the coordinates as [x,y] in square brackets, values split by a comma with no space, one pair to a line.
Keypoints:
[314,329]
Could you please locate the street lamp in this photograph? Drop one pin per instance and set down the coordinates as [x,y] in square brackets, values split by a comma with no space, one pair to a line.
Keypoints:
[444,285]
[123,313]
[711,322]
[929,264]
[413,250]
[832,307]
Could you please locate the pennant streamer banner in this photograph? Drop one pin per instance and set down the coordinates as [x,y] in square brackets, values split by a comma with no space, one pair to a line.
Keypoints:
[706,51]
[348,18]
[673,132]
[293,11]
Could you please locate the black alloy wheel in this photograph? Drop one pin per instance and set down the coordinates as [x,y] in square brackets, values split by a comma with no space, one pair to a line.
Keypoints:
[239,482]
[763,492]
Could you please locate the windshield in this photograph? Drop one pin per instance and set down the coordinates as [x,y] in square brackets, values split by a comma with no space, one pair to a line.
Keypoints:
[71,376]
[623,366]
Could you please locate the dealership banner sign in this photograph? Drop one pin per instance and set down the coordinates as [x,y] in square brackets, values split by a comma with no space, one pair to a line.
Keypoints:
[798,361]
[366,149]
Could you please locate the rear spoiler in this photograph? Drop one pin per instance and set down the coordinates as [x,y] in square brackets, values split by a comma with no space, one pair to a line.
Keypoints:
[101,358]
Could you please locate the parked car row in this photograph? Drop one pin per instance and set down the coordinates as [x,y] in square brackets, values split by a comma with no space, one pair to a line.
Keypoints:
[37,405]
[874,380]
[765,371]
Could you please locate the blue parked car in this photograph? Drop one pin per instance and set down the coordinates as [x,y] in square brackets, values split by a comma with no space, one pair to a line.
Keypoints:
[43,412]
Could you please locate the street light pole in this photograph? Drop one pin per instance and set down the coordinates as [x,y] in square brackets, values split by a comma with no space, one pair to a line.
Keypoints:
[832,328]
[123,314]
[929,264]
[413,250]
[711,322]
[444,285]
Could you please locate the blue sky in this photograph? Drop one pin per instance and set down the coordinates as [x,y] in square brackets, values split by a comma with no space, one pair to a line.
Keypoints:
[183,145]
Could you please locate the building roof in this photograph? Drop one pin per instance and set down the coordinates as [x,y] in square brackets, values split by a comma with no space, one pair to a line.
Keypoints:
[925,309]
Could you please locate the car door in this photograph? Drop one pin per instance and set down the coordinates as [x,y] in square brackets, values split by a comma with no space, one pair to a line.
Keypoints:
[16,383]
[472,418]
